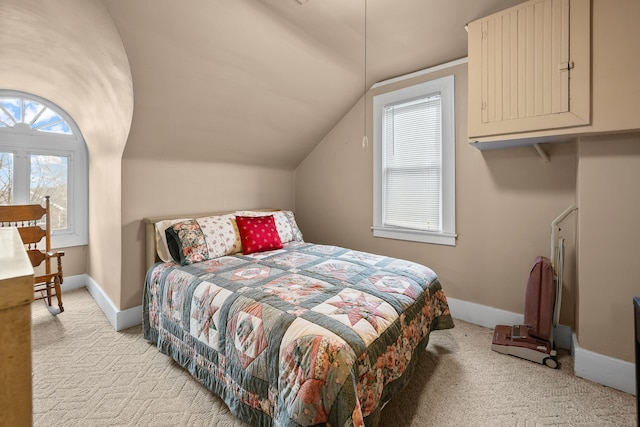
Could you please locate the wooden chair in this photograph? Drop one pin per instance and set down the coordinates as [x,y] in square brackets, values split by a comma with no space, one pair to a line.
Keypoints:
[28,220]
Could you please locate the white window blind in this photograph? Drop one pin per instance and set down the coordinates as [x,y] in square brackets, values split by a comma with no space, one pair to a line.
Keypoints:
[412,164]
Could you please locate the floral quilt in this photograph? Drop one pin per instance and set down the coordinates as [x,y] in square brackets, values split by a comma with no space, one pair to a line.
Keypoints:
[302,336]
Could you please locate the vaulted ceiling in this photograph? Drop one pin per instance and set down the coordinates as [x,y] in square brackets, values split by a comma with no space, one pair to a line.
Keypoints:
[261,82]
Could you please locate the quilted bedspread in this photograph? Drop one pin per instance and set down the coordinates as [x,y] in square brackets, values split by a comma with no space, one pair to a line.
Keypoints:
[306,335]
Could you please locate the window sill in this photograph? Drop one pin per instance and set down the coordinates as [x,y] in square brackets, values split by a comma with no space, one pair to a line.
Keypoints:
[67,240]
[446,239]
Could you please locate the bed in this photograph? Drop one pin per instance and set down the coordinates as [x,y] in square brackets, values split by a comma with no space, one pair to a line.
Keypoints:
[286,332]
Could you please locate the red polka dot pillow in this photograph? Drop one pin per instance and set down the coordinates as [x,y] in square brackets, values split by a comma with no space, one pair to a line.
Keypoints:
[258,234]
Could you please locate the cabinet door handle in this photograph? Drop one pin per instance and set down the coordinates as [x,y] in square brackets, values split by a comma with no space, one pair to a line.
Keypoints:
[565,66]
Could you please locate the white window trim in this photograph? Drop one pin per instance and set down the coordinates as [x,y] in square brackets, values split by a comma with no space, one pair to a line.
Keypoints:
[446,87]
[58,144]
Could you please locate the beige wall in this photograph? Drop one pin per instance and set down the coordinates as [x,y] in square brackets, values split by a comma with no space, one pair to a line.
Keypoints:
[615,64]
[156,188]
[89,77]
[74,261]
[609,243]
[69,52]
[505,200]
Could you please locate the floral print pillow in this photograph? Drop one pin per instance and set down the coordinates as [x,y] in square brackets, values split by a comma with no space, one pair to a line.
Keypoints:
[186,242]
[296,234]
[199,239]
[221,234]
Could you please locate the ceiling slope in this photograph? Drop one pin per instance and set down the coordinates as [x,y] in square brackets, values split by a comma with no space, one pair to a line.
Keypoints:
[261,82]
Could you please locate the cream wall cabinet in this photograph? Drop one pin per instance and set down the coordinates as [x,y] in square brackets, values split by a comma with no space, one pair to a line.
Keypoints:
[530,70]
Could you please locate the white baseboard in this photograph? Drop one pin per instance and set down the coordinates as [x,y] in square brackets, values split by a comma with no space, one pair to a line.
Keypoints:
[482,315]
[602,369]
[73,282]
[119,319]
[129,317]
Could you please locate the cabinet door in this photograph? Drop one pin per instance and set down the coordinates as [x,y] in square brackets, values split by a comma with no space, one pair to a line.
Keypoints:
[528,70]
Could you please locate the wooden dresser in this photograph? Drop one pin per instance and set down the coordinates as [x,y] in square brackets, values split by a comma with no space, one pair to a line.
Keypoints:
[16,295]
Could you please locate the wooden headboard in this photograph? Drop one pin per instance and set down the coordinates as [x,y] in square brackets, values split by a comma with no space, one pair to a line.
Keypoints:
[151,254]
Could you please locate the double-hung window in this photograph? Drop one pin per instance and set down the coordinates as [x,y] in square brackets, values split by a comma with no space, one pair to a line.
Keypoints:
[414,163]
[42,153]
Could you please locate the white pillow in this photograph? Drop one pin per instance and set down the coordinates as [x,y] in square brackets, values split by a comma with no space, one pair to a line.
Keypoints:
[161,238]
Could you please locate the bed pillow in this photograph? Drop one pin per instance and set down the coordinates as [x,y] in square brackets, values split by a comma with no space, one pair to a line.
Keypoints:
[199,239]
[285,223]
[295,231]
[161,238]
[258,234]
[221,234]
[186,242]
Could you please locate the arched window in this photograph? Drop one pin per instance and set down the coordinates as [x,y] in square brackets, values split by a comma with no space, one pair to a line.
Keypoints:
[42,153]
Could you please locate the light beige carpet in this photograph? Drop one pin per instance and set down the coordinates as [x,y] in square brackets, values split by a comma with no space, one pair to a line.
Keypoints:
[86,374]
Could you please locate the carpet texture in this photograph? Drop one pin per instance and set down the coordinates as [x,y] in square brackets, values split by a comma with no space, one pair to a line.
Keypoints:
[86,374]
